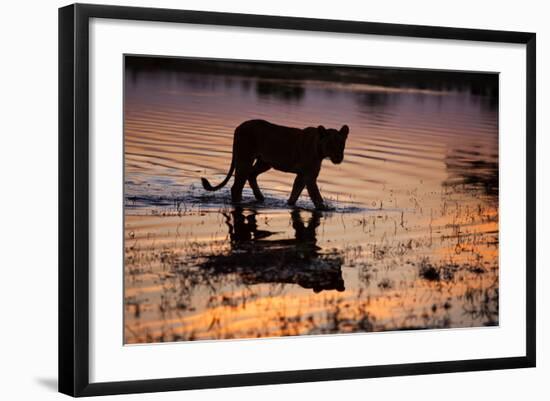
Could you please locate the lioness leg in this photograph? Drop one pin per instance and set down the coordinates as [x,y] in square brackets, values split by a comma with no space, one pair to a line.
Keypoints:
[297,188]
[259,168]
[242,171]
[314,193]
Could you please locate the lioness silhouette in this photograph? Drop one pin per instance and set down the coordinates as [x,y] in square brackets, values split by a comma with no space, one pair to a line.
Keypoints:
[259,145]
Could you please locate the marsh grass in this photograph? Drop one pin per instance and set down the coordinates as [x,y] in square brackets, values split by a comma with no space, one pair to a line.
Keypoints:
[259,272]
[411,241]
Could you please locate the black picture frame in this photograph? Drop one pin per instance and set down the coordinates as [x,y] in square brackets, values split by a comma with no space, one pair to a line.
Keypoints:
[74,198]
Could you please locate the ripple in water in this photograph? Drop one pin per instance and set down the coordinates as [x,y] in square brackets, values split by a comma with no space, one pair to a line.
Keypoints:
[412,238]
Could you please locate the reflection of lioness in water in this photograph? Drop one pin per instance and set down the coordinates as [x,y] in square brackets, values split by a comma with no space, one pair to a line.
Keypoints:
[259,145]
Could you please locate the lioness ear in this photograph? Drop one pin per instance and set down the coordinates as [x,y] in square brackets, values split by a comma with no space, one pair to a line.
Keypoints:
[322,131]
[344,130]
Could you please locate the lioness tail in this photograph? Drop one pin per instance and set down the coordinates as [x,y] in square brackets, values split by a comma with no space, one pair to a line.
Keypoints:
[206,185]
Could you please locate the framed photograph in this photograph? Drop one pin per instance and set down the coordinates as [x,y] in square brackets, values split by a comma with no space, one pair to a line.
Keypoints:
[250,199]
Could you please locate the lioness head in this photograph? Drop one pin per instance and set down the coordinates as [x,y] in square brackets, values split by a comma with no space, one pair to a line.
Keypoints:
[333,142]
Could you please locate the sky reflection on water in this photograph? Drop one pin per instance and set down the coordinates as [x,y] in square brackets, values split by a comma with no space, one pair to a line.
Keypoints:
[412,242]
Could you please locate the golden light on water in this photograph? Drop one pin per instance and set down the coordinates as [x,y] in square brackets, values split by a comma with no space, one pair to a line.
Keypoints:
[412,242]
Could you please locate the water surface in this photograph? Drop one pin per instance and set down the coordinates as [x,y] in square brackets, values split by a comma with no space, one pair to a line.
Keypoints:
[412,242]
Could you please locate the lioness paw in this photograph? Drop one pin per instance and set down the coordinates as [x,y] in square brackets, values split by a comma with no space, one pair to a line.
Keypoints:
[324,207]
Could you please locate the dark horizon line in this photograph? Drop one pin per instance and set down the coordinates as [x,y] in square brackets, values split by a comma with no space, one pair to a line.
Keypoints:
[387,76]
